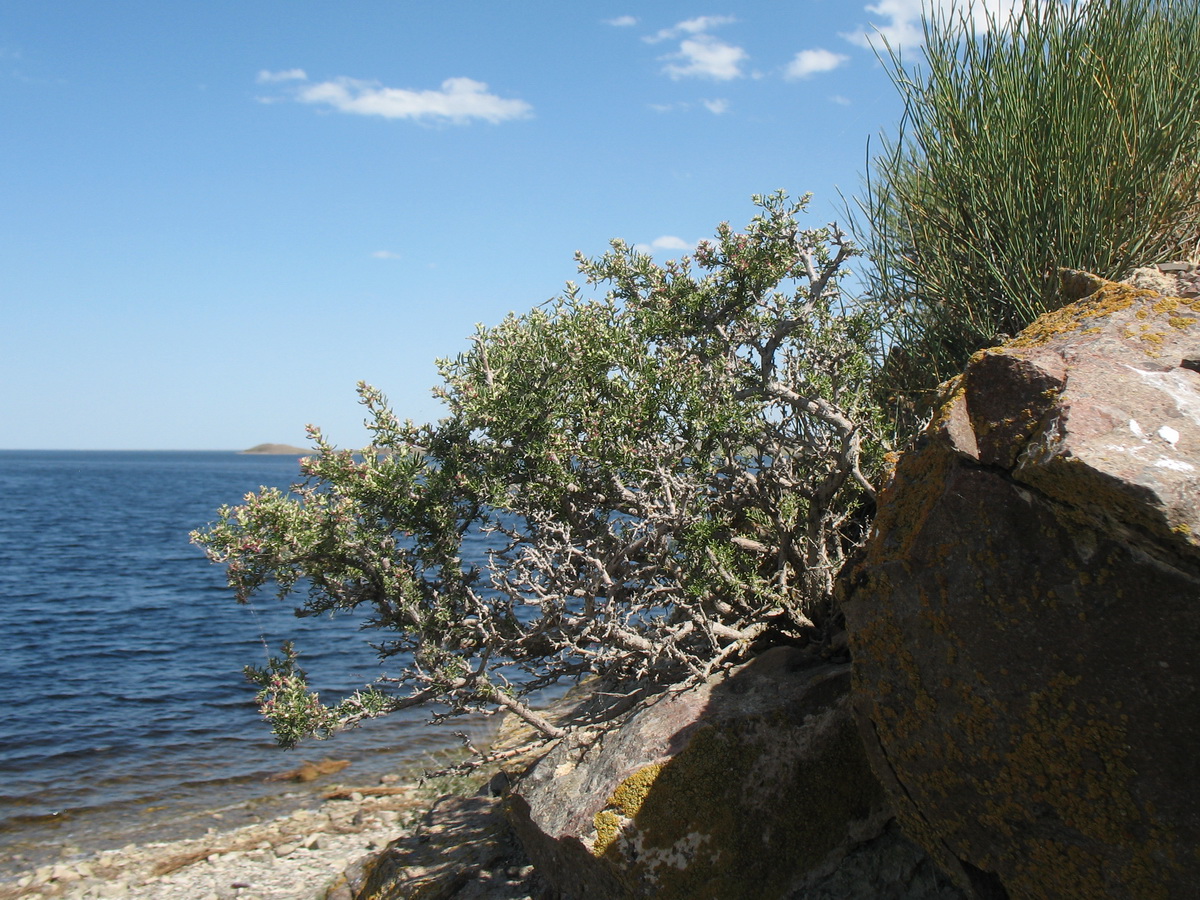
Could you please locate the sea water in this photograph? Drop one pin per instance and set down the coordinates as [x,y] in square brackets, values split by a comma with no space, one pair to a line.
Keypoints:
[124,714]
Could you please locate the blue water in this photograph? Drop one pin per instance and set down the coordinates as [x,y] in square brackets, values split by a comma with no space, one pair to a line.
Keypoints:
[124,715]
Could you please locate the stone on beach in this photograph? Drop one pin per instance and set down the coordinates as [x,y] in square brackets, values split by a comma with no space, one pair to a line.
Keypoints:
[311,771]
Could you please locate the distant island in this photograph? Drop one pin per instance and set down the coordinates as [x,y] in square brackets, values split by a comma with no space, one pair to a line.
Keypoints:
[278,450]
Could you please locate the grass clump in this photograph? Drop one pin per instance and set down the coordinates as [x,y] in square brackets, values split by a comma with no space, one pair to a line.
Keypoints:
[1065,135]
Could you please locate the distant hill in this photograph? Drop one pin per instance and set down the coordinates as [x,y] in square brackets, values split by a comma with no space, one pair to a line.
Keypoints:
[279,450]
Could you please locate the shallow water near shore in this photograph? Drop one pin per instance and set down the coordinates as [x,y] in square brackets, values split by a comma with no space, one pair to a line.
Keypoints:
[124,715]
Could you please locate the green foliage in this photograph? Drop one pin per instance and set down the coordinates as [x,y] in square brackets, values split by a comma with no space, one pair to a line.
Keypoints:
[1065,137]
[669,472]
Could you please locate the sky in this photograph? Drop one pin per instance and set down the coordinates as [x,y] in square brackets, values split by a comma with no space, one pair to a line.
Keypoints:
[216,218]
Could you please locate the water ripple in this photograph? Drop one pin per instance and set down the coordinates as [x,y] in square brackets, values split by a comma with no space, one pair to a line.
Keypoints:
[121,682]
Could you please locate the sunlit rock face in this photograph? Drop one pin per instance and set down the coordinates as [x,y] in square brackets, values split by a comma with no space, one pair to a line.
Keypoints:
[1026,625]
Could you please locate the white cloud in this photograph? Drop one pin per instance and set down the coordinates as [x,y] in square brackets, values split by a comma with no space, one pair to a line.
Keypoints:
[903,28]
[385,254]
[700,54]
[670,242]
[840,100]
[265,77]
[622,21]
[716,107]
[706,57]
[698,25]
[812,62]
[459,100]
[666,242]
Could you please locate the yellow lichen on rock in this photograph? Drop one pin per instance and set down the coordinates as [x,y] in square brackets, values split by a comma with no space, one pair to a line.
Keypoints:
[625,803]
[1106,298]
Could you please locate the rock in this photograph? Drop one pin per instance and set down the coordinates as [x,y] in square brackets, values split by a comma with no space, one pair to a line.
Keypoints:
[63,874]
[1175,279]
[1025,624]
[1154,279]
[887,866]
[311,771]
[751,787]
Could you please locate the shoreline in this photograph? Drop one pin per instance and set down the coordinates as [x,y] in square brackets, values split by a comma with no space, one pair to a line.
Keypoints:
[446,829]
[289,856]
[295,856]
[193,809]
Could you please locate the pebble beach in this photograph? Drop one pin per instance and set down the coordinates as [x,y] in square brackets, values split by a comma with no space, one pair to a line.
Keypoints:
[300,856]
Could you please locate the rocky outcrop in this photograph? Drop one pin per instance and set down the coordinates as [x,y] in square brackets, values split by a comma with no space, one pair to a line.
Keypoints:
[1025,625]
[752,787]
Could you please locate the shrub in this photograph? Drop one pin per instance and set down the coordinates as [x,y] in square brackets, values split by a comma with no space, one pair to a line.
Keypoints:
[669,474]
[1066,136]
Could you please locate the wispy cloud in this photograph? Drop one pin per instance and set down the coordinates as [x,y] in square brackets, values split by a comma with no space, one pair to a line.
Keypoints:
[813,62]
[459,100]
[903,19]
[717,107]
[266,77]
[385,254]
[622,21]
[698,25]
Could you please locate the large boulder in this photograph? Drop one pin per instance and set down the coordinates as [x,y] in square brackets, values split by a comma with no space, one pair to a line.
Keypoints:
[755,786]
[1026,625]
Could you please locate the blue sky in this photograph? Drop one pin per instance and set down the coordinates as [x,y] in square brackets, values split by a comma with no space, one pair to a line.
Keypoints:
[217,217]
